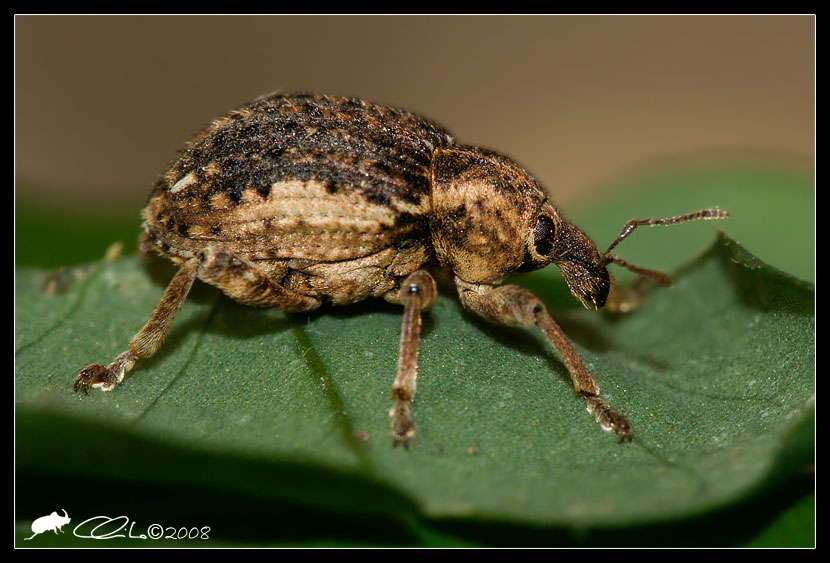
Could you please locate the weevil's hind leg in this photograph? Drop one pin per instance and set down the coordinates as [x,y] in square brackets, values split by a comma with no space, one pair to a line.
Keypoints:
[239,278]
[510,305]
[147,341]
[417,294]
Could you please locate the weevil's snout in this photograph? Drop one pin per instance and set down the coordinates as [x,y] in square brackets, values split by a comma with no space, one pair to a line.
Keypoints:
[590,283]
[582,266]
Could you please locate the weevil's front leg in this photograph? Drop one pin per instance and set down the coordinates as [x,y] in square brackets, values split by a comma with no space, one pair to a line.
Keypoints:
[233,274]
[417,293]
[510,305]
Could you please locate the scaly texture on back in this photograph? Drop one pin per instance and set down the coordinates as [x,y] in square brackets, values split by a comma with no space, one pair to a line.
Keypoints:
[313,177]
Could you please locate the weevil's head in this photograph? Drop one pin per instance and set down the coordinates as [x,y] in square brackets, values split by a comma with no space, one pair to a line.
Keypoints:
[491,218]
[552,239]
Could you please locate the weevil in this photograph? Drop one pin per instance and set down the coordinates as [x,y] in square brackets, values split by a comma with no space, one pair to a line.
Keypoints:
[299,201]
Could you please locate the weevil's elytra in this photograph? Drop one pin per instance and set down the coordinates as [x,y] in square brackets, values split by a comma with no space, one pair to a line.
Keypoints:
[299,201]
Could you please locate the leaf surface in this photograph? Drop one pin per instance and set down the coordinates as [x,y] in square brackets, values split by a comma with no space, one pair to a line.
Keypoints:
[715,374]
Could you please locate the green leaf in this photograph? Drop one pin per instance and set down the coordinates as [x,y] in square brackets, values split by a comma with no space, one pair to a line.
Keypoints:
[277,483]
[251,407]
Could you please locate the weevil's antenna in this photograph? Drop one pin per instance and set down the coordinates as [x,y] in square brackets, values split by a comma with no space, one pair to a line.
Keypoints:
[659,277]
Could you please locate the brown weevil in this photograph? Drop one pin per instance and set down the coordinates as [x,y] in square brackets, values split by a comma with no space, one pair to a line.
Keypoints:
[298,201]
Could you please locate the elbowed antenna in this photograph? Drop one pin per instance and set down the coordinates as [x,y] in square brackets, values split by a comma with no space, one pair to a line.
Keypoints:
[712,214]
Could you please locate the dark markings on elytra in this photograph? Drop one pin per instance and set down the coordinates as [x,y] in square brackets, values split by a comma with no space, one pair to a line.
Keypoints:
[377,154]
[379,151]
[234,193]
[264,189]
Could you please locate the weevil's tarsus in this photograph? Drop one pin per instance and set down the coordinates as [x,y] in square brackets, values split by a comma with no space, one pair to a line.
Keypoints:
[113,251]
[417,293]
[609,419]
[106,378]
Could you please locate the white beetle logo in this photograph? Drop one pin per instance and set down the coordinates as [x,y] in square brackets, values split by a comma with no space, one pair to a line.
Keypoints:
[52,522]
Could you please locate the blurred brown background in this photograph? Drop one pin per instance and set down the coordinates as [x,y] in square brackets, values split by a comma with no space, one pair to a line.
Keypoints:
[103,103]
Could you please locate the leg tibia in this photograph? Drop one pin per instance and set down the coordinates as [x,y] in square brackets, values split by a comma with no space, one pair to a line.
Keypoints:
[149,339]
[417,294]
[510,304]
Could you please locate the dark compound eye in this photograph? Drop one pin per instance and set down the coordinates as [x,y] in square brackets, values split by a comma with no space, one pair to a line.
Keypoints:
[543,235]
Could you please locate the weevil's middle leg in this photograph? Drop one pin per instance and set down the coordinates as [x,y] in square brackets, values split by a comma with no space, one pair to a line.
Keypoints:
[510,305]
[417,293]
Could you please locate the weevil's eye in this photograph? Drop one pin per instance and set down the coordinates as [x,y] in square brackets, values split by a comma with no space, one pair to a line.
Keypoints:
[540,245]
[543,235]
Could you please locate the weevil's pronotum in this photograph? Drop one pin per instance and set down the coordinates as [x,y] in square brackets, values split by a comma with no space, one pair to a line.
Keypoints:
[299,201]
